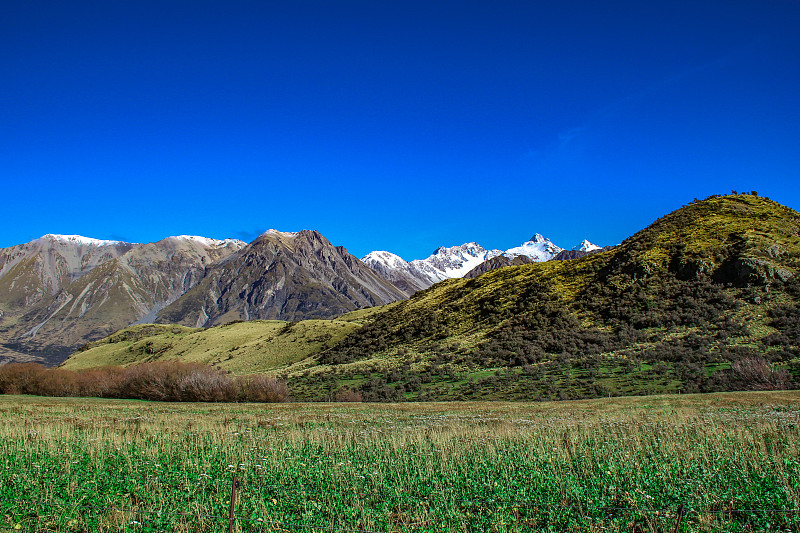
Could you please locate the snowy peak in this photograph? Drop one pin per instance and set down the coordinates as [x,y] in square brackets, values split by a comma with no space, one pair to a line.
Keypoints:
[393,268]
[77,239]
[586,246]
[539,249]
[382,257]
[211,243]
[289,234]
[455,261]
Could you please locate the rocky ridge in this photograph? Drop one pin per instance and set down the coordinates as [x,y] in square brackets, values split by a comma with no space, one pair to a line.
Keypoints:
[286,276]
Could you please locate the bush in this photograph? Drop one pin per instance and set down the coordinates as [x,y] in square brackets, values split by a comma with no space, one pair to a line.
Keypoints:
[348,395]
[160,381]
[755,373]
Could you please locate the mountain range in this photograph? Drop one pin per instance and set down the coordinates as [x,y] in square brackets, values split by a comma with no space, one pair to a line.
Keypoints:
[707,298]
[462,261]
[60,291]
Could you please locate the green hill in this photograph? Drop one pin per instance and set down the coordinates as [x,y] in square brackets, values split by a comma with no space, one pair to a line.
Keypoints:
[704,299]
[241,348]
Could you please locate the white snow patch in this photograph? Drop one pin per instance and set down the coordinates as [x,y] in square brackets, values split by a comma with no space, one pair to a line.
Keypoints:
[210,243]
[290,234]
[454,262]
[384,258]
[79,239]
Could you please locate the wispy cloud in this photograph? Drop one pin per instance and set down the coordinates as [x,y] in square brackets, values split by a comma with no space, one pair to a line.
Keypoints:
[118,237]
[248,234]
[566,137]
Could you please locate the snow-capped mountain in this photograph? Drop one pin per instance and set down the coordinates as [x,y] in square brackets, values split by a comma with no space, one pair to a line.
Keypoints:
[443,263]
[78,240]
[458,261]
[211,243]
[538,248]
[38,269]
[586,246]
[455,261]
[287,234]
[397,271]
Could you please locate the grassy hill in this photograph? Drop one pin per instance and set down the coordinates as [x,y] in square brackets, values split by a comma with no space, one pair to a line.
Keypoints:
[241,347]
[704,299]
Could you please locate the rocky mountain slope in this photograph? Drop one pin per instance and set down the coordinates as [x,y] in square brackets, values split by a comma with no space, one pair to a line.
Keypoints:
[289,276]
[402,274]
[500,261]
[114,293]
[34,271]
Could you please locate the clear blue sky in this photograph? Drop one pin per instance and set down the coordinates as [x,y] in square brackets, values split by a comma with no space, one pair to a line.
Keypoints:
[401,126]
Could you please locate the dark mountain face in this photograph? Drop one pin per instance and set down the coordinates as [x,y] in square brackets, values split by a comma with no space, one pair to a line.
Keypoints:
[60,292]
[565,255]
[287,276]
[500,261]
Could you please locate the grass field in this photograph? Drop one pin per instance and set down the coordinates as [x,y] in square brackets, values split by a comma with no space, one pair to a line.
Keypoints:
[622,464]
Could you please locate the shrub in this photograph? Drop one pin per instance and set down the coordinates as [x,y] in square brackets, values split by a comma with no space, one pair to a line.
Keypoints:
[160,381]
[755,373]
[348,395]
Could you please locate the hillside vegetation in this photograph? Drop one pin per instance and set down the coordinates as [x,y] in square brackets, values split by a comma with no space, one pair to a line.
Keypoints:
[241,347]
[704,299]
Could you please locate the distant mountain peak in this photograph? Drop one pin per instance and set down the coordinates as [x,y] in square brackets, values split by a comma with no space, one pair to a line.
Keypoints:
[467,247]
[539,249]
[289,234]
[586,246]
[384,257]
[79,239]
[210,243]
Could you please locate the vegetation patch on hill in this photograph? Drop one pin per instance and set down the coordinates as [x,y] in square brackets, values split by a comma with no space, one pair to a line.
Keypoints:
[241,347]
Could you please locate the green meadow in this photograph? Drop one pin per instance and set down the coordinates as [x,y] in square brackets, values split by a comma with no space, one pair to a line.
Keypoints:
[619,464]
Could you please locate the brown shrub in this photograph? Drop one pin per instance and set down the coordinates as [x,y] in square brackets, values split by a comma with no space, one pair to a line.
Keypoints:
[160,381]
[757,374]
[348,395]
[260,388]
[20,378]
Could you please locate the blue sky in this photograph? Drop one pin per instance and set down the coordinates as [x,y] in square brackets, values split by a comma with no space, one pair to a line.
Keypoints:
[401,127]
